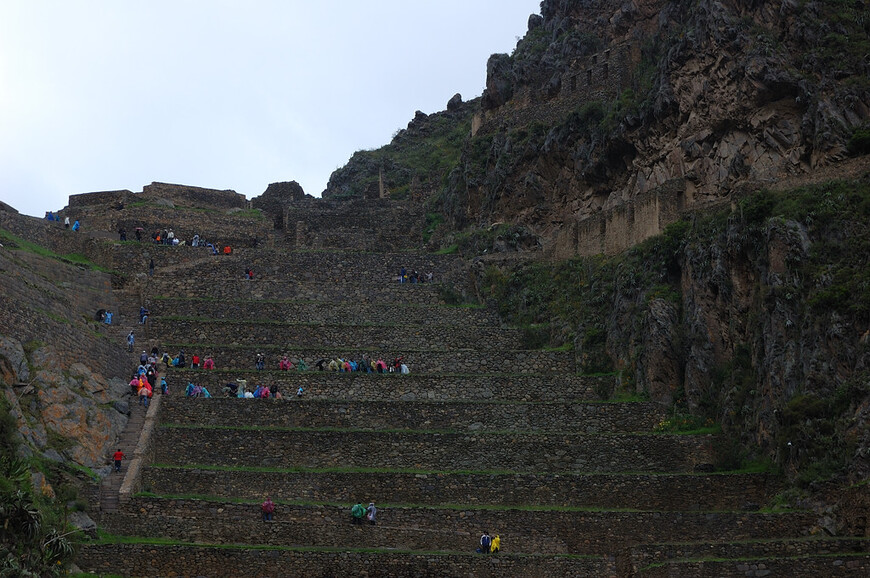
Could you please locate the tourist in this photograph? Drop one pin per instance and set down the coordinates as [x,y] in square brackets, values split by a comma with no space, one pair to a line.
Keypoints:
[485,543]
[66,222]
[164,387]
[260,362]
[357,512]
[118,456]
[300,391]
[194,361]
[143,358]
[134,384]
[76,225]
[268,509]
[209,362]
[130,341]
[122,234]
[496,545]
[285,364]
[371,513]
[143,315]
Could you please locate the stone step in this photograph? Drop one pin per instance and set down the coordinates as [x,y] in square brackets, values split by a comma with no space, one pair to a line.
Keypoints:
[347,337]
[165,560]
[517,452]
[473,417]
[391,386]
[846,565]
[336,291]
[439,529]
[659,492]
[646,555]
[325,312]
[418,360]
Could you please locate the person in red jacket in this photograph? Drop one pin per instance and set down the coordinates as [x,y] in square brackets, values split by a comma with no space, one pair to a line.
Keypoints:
[194,362]
[209,363]
[118,456]
[268,509]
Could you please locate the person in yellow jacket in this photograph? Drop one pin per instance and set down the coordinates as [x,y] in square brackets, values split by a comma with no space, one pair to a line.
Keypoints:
[495,545]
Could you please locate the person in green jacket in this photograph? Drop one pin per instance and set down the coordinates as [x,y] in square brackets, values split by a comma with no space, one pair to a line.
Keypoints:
[357,513]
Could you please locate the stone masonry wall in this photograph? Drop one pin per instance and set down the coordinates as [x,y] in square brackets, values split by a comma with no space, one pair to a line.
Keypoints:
[338,336]
[364,225]
[392,387]
[128,559]
[455,416]
[194,196]
[435,451]
[326,313]
[565,532]
[419,361]
[719,492]
[236,288]
[647,555]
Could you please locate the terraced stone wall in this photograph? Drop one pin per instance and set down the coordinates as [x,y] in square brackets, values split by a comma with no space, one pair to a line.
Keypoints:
[457,416]
[234,288]
[326,313]
[420,361]
[128,559]
[714,492]
[546,532]
[521,452]
[643,556]
[386,387]
[315,335]
[366,225]
[195,196]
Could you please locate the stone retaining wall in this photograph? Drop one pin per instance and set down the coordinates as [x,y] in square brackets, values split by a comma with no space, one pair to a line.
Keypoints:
[462,415]
[719,492]
[148,560]
[432,451]
[367,225]
[522,531]
[343,267]
[325,312]
[425,361]
[236,289]
[646,555]
[857,565]
[392,387]
[348,337]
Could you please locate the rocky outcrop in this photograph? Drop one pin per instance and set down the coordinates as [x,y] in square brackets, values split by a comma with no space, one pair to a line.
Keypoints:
[604,103]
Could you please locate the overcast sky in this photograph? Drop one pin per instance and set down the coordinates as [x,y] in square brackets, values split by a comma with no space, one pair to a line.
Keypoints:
[225,94]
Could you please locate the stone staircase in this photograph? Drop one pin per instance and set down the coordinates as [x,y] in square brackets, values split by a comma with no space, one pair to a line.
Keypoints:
[482,435]
[111,484]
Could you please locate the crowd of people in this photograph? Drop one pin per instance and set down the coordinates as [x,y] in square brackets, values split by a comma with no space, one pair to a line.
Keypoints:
[414,276]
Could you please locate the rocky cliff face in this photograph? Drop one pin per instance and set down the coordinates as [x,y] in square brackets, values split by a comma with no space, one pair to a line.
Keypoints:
[756,317]
[604,103]
[59,367]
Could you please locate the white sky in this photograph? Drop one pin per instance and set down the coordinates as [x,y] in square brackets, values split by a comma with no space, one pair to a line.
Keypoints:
[114,94]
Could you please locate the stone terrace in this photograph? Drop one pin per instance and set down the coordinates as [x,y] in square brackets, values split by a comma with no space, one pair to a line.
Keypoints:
[482,435]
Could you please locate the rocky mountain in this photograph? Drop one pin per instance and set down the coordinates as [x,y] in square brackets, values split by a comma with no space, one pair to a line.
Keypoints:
[612,118]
